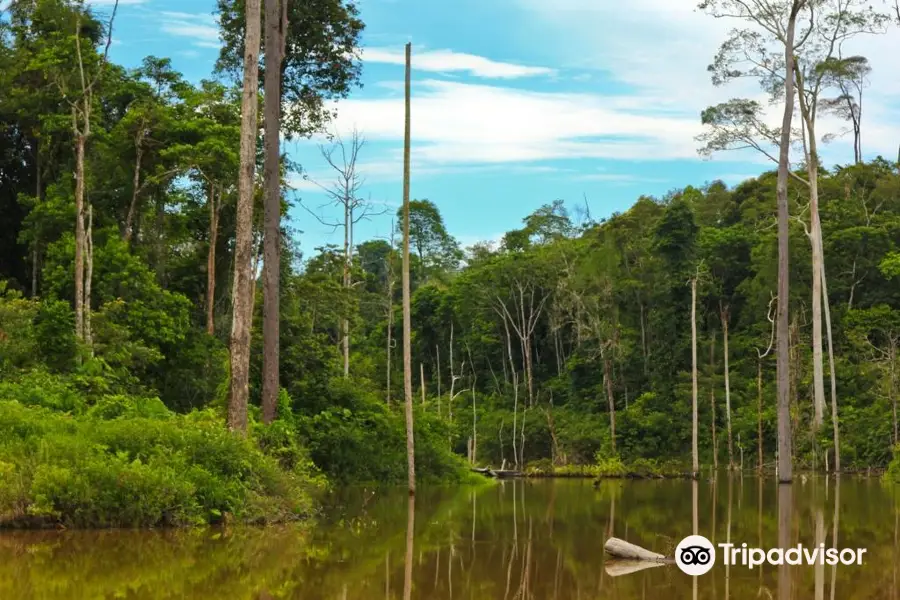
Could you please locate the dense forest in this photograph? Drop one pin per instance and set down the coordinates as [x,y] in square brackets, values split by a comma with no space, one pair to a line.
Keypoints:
[575,341]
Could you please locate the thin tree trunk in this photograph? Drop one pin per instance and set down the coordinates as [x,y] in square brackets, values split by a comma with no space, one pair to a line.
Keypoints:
[611,401]
[422,381]
[892,398]
[725,318]
[88,279]
[390,319]
[695,458]
[834,407]
[38,193]
[407,329]
[759,427]
[271,386]
[345,322]
[785,467]
[135,184]
[243,251]
[712,400]
[79,230]
[211,260]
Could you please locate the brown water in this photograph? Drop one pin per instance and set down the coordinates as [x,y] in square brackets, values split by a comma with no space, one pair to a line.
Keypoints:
[516,540]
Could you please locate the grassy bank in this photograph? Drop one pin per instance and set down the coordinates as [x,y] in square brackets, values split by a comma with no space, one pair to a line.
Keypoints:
[132,463]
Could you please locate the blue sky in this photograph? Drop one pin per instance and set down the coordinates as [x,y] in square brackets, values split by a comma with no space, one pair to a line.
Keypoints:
[516,103]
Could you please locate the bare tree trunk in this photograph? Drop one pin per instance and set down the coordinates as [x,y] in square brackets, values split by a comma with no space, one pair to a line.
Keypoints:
[611,401]
[345,322]
[834,407]
[759,428]
[211,260]
[135,185]
[892,356]
[695,458]
[785,467]
[79,230]
[422,381]
[88,279]
[276,21]
[712,400]
[38,196]
[390,318]
[407,329]
[243,251]
[725,318]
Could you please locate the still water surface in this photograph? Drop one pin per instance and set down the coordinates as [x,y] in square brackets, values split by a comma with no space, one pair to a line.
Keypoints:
[540,540]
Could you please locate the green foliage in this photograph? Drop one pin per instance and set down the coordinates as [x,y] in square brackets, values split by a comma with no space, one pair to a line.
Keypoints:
[361,439]
[130,462]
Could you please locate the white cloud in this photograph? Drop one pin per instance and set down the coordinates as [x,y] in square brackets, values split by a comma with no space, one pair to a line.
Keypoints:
[200,27]
[459,123]
[447,61]
[661,48]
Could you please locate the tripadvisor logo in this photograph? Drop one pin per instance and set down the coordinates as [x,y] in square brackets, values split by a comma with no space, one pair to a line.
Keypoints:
[696,555]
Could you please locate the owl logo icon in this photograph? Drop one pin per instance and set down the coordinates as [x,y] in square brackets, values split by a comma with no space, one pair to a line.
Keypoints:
[695,555]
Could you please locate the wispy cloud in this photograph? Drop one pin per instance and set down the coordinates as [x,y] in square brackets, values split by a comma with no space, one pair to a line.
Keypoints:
[462,123]
[661,48]
[200,27]
[448,61]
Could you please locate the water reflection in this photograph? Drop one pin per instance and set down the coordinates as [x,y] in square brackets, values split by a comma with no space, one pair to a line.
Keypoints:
[514,541]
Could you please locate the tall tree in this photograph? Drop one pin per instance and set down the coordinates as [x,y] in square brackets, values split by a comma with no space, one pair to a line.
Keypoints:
[243,251]
[344,193]
[767,54]
[407,328]
[276,26]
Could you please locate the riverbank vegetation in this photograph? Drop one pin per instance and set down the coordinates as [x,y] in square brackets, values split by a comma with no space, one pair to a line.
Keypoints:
[137,308]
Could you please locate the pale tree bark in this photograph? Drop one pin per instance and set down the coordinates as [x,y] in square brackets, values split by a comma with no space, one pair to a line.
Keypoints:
[211,259]
[407,328]
[81,129]
[243,249]
[834,407]
[135,182]
[695,457]
[276,23]
[390,319]
[712,398]
[812,169]
[80,140]
[88,278]
[759,388]
[725,318]
[610,400]
[785,462]
[524,317]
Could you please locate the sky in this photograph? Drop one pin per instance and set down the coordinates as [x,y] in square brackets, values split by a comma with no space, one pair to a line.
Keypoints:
[517,103]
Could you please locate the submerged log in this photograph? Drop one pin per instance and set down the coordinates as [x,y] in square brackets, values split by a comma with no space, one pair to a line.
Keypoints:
[621,549]
[616,568]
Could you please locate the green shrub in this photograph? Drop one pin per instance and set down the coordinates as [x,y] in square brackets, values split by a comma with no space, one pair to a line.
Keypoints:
[127,463]
[363,440]
[893,471]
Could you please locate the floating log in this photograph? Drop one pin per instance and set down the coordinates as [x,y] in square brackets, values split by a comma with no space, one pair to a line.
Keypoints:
[621,549]
[497,474]
[616,568]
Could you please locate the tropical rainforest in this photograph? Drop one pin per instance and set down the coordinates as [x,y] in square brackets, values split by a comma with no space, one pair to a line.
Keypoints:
[135,239]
